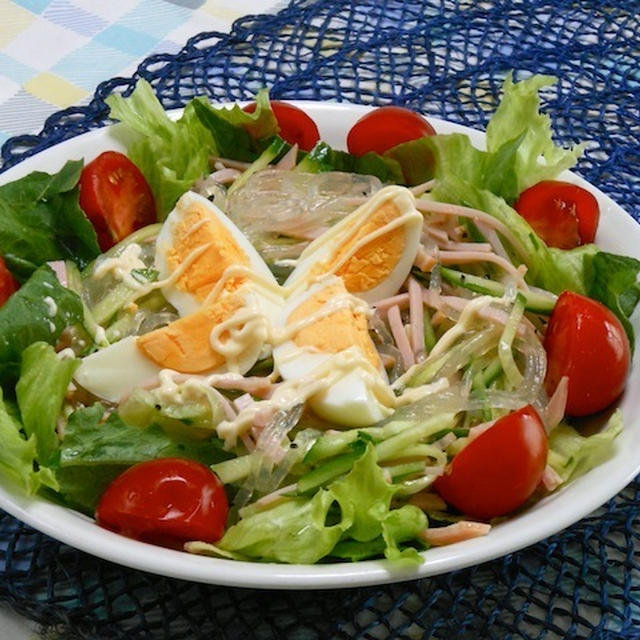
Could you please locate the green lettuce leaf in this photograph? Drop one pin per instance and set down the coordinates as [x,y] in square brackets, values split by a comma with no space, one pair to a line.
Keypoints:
[294,531]
[40,392]
[613,280]
[571,454]
[306,529]
[28,316]
[40,221]
[553,269]
[92,440]
[172,155]
[520,149]
[97,448]
[364,497]
[518,118]
[238,134]
[18,455]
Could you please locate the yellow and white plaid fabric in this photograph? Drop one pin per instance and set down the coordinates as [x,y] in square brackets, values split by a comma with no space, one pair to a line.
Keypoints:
[53,53]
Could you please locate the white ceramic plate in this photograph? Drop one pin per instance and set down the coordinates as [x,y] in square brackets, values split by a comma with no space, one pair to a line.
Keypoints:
[618,232]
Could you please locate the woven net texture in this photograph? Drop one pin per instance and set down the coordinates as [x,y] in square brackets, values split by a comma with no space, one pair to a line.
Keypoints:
[446,59]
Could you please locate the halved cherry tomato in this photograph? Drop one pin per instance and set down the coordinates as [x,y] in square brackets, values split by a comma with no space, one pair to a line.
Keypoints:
[116,197]
[499,470]
[587,343]
[384,128]
[296,127]
[168,501]
[564,215]
[8,284]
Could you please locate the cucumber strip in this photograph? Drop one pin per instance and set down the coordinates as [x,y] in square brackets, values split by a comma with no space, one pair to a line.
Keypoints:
[332,444]
[534,301]
[93,328]
[429,333]
[395,446]
[505,353]
[484,378]
[233,470]
[329,470]
[406,469]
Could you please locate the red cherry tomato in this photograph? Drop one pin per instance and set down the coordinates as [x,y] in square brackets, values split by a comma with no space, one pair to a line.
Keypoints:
[586,342]
[564,215]
[296,127]
[167,501]
[384,128]
[499,470]
[116,197]
[8,284]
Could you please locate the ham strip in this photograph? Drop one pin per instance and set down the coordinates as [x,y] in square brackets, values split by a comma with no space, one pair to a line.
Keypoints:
[400,336]
[416,316]
[463,530]
[430,206]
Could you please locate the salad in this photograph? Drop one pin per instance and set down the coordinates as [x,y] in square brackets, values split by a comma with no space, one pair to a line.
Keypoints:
[238,341]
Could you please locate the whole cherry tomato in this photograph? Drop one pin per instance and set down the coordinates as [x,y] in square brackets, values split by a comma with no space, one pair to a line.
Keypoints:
[499,470]
[587,343]
[168,501]
[8,284]
[564,215]
[296,127]
[384,128]
[116,197]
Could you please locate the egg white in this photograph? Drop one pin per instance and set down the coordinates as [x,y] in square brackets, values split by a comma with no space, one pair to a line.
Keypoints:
[350,390]
[325,247]
[186,302]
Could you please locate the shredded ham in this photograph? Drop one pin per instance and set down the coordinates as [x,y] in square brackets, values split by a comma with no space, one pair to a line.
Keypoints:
[401,300]
[400,336]
[274,496]
[227,162]
[60,269]
[484,247]
[288,161]
[419,189]
[424,261]
[463,530]
[422,204]
[550,479]
[243,402]
[554,411]
[439,235]
[248,442]
[479,429]
[427,501]
[416,316]
[256,385]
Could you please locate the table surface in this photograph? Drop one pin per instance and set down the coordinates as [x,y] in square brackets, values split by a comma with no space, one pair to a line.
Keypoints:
[48,53]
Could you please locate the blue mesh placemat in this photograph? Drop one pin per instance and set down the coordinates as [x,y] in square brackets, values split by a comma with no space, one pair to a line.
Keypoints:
[447,59]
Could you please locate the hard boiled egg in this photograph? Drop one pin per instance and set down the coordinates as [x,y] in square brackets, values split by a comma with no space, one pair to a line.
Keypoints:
[196,247]
[221,287]
[372,249]
[324,339]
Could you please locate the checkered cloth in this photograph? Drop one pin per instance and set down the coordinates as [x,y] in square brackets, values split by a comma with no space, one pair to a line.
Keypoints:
[53,53]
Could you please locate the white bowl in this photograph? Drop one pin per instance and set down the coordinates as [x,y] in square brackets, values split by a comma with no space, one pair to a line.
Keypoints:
[618,232]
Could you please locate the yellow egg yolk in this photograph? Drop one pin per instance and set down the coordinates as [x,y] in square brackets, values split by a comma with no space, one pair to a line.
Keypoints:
[335,331]
[185,344]
[198,228]
[372,262]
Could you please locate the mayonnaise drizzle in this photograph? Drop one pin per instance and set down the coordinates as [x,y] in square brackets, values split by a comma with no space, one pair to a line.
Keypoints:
[295,391]
[122,265]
